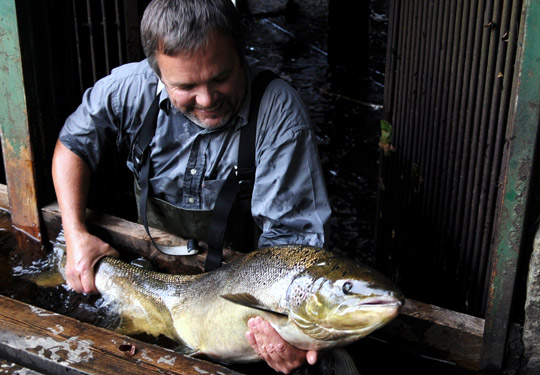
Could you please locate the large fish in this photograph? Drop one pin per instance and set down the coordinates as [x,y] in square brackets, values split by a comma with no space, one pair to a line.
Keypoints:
[314,298]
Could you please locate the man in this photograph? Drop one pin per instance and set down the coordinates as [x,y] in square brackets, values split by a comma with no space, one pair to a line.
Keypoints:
[194,50]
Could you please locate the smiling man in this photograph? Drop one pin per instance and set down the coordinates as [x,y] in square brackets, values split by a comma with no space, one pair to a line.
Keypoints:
[195,117]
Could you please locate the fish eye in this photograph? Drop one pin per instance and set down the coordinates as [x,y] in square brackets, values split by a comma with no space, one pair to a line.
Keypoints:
[347,287]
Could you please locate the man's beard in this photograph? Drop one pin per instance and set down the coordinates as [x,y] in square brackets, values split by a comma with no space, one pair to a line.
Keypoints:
[226,117]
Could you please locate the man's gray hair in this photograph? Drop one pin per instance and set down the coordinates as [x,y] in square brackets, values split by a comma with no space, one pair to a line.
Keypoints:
[183,26]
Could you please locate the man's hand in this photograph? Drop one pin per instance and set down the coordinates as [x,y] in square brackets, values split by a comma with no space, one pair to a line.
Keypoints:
[270,346]
[71,178]
[83,252]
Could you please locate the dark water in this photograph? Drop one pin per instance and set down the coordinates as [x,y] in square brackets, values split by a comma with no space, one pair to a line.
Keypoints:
[345,103]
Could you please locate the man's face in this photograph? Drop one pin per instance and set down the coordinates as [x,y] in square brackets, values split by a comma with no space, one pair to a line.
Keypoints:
[207,86]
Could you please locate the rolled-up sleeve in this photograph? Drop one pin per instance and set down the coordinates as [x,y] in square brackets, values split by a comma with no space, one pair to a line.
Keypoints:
[92,127]
[290,201]
[110,112]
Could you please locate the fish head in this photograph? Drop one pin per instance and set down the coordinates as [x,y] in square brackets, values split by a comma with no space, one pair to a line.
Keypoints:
[340,300]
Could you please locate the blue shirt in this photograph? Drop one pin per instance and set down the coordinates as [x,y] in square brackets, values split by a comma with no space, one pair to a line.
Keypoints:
[190,164]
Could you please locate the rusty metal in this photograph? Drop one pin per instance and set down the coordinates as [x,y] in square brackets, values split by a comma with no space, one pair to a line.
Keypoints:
[523,122]
[17,152]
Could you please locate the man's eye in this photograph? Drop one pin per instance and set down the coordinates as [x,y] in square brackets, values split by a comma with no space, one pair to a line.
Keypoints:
[185,87]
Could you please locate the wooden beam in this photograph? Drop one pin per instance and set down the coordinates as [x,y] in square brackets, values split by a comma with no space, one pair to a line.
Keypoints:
[438,333]
[51,343]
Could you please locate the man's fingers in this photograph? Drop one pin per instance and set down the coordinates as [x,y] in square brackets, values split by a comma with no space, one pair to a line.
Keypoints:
[312,356]
[271,347]
[87,281]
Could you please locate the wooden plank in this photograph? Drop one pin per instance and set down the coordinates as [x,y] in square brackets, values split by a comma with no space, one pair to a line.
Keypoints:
[54,344]
[437,333]
[14,128]
[446,318]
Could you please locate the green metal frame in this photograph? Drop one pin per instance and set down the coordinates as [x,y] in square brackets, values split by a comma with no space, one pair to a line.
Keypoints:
[522,131]
[14,127]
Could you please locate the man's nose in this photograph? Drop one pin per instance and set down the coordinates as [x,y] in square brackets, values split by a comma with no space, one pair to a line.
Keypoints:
[204,97]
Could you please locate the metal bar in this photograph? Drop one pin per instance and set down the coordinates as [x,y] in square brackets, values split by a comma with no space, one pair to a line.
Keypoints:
[491,170]
[16,146]
[432,53]
[104,25]
[463,205]
[456,134]
[427,38]
[470,223]
[523,124]
[443,203]
[78,45]
[432,176]
[91,40]
[483,161]
[118,24]
[462,136]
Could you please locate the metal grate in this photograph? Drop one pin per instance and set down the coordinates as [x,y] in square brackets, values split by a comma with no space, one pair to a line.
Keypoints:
[106,36]
[447,94]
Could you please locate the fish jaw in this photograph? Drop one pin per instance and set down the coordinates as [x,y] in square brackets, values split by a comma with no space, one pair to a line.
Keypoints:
[338,302]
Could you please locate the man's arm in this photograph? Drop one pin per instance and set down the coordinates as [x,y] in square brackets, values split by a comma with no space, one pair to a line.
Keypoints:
[71,178]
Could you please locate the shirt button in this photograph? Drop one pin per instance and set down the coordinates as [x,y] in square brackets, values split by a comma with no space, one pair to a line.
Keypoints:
[193,171]
[191,200]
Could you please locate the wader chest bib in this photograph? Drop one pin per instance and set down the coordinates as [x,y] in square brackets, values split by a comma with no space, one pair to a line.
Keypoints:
[231,219]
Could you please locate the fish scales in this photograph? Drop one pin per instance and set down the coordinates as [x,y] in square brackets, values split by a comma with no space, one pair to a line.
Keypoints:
[314,298]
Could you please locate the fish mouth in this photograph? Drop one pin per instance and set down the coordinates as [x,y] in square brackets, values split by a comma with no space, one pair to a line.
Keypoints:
[371,302]
[366,314]
[381,301]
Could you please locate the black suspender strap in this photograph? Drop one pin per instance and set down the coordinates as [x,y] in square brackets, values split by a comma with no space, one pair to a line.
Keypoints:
[143,141]
[240,179]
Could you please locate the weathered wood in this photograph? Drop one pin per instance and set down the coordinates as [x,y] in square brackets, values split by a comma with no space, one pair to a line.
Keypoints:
[445,318]
[438,333]
[10,368]
[54,344]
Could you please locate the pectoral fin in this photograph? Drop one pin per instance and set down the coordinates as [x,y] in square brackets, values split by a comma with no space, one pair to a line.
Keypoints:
[343,363]
[246,299]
